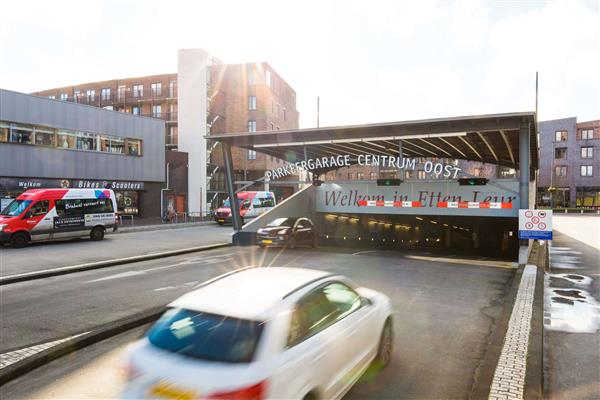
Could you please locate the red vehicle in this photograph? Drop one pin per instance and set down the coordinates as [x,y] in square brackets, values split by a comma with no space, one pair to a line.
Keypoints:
[251,204]
[46,214]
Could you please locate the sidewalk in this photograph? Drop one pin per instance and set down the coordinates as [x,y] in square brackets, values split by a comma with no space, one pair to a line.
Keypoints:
[39,256]
[572,310]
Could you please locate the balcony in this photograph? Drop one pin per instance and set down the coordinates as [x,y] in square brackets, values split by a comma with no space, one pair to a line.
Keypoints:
[120,97]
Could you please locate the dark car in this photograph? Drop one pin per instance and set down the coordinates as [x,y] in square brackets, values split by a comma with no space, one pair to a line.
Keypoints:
[288,232]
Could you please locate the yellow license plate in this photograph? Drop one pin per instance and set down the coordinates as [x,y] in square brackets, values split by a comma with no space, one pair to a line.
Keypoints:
[165,390]
[267,241]
[220,220]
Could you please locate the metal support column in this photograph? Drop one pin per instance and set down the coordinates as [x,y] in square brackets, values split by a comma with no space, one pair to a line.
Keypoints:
[235,210]
[524,166]
[524,163]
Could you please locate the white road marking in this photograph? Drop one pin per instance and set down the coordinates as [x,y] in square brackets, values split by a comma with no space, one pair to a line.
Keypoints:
[14,356]
[480,263]
[363,252]
[126,274]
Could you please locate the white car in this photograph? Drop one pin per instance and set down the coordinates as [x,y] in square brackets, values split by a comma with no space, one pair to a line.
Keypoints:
[257,333]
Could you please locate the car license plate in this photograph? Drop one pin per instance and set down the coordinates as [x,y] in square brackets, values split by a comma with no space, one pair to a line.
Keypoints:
[220,220]
[164,390]
[267,241]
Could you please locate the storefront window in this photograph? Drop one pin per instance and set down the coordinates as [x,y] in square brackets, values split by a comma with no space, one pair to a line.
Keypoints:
[134,147]
[66,139]
[588,197]
[127,202]
[86,141]
[117,145]
[4,131]
[44,136]
[21,134]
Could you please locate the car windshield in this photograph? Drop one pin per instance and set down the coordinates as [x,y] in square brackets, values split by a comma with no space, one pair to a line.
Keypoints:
[206,336]
[16,207]
[283,222]
[227,203]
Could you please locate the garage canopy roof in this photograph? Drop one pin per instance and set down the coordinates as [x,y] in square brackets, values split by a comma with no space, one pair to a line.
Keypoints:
[487,138]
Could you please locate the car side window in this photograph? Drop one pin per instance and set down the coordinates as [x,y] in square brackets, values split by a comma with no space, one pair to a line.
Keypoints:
[312,314]
[344,298]
[39,208]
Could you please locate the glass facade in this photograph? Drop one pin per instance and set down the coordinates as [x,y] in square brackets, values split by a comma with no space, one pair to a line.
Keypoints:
[588,197]
[67,139]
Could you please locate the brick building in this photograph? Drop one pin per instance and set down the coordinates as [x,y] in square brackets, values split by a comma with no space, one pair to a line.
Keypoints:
[222,98]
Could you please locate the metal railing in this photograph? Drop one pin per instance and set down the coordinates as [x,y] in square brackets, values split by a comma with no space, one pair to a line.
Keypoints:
[125,216]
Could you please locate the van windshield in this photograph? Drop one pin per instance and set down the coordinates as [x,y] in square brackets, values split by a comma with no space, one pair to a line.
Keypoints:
[227,203]
[16,208]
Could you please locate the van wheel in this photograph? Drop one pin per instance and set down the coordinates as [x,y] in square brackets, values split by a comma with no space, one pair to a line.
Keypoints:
[19,240]
[97,234]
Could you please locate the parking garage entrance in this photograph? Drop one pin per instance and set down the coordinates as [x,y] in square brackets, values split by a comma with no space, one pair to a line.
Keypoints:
[446,208]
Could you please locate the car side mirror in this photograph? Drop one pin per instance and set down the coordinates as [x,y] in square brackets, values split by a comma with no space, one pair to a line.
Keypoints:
[365,302]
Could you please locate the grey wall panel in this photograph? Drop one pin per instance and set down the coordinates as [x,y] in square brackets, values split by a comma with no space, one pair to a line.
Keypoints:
[24,160]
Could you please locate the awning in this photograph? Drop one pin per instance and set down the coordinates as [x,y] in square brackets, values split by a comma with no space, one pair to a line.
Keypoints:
[487,138]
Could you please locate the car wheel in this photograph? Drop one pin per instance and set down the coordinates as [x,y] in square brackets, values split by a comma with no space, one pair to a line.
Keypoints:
[19,240]
[386,345]
[291,244]
[97,234]
[315,242]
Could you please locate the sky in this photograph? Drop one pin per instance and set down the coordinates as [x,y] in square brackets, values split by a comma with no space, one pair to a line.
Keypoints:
[368,61]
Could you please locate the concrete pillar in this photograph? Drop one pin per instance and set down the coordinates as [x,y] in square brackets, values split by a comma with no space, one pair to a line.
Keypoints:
[235,210]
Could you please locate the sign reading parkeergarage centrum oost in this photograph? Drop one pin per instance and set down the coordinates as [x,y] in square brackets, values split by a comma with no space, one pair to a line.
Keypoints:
[370,160]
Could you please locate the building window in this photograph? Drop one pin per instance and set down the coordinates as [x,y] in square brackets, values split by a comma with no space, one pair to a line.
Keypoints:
[4,131]
[134,147]
[560,153]
[560,171]
[172,86]
[587,170]
[251,76]
[251,103]
[156,111]
[251,155]
[44,136]
[560,136]
[22,134]
[373,176]
[268,78]
[111,108]
[421,175]
[350,176]
[90,94]
[587,134]
[105,94]
[52,97]
[172,136]
[156,89]
[251,126]
[138,90]
[64,96]
[587,152]
[135,110]
[272,126]
[121,92]
[409,174]
[360,176]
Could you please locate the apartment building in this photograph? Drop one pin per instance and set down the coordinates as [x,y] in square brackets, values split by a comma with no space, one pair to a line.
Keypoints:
[204,96]
[569,174]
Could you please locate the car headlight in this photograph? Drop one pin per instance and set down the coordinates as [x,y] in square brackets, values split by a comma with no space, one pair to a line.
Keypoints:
[282,232]
[2,226]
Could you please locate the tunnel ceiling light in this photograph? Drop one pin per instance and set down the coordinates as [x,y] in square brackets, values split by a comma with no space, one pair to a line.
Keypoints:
[419,218]
[445,224]
[433,222]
